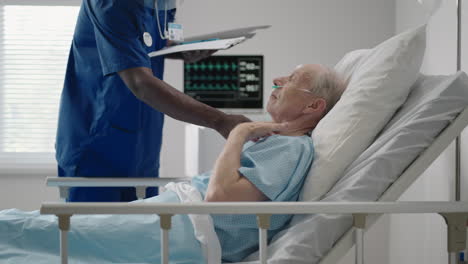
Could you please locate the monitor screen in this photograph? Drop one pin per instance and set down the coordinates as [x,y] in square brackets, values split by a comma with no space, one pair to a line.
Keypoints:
[226,81]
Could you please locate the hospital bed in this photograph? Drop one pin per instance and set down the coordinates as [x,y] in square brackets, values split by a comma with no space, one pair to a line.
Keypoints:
[434,114]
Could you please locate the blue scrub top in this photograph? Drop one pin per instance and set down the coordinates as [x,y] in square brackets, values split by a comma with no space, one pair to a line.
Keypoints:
[103,129]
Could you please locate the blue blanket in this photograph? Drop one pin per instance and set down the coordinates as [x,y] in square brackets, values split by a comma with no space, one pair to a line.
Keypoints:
[28,237]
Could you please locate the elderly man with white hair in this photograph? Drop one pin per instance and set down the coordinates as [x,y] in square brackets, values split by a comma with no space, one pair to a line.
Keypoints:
[274,167]
[261,161]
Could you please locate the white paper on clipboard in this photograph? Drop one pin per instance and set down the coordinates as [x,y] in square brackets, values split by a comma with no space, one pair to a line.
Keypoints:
[220,44]
[224,40]
[247,32]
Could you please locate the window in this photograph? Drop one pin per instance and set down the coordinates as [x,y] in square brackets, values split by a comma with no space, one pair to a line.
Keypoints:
[35,39]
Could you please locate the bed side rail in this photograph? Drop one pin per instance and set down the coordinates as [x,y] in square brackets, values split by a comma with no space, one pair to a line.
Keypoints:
[454,213]
[140,184]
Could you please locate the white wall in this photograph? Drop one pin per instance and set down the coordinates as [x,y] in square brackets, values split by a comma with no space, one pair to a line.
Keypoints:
[422,238]
[25,192]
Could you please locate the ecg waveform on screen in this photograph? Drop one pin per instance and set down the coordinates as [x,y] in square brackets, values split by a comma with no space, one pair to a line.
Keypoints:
[226,81]
[212,66]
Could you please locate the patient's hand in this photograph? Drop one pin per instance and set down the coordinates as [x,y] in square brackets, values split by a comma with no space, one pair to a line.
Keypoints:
[255,130]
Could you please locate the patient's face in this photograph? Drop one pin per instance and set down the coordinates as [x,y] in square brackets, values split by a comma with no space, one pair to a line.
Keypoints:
[288,103]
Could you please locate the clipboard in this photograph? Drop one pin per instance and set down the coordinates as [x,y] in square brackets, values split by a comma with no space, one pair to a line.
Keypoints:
[247,32]
[221,40]
[220,44]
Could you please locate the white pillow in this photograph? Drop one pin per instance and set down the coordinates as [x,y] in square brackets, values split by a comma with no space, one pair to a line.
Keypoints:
[380,80]
[350,62]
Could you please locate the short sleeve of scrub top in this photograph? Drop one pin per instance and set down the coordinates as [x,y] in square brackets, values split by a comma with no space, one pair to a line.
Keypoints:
[277,166]
[118,26]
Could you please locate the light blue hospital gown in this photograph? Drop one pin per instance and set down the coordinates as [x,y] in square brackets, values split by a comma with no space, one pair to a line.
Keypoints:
[277,166]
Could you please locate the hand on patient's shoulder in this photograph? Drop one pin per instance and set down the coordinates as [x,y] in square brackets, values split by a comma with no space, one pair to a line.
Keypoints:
[256,130]
[227,124]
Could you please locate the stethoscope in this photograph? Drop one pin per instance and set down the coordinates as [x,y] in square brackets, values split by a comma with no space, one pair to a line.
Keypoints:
[147,39]
[166,34]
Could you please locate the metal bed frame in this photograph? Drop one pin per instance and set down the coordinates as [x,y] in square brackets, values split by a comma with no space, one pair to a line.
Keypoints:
[365,214]
[455,214]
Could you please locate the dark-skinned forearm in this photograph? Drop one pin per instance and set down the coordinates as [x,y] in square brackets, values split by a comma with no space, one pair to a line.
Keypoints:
[165,98]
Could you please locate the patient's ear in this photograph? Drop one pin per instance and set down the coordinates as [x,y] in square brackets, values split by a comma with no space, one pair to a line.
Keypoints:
[317,105]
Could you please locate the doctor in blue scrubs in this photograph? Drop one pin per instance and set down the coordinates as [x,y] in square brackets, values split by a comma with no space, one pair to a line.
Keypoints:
[114,100]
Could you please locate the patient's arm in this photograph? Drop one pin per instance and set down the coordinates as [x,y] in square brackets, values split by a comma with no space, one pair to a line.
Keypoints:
[226,183]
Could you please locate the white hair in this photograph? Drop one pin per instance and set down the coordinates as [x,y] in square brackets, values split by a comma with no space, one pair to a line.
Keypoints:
[328,85]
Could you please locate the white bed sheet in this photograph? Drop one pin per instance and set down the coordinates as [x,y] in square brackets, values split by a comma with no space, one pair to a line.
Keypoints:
[202,224]
[432,104]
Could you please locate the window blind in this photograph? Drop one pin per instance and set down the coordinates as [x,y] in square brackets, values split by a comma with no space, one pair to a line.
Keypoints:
[34,46]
